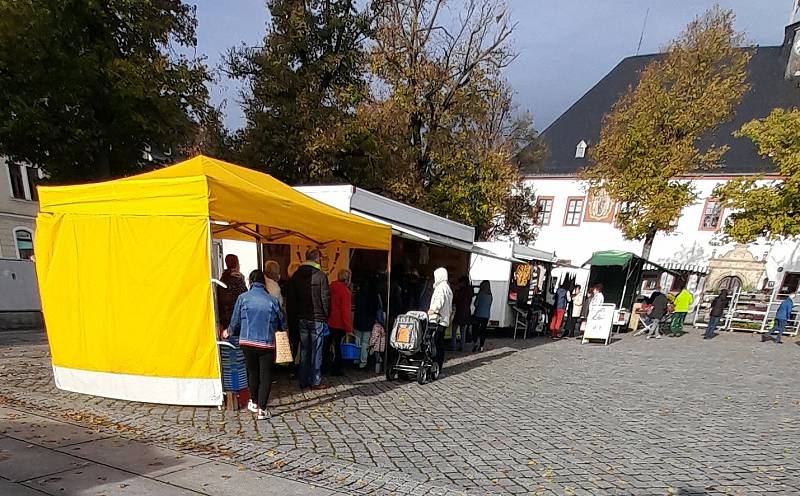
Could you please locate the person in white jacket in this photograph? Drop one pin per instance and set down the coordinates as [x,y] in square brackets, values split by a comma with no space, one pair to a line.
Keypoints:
[439,311]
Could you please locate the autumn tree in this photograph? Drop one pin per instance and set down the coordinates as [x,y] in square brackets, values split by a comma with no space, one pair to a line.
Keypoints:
[84,86]
[652,135]
[302,87]
[770,210]
[444,114]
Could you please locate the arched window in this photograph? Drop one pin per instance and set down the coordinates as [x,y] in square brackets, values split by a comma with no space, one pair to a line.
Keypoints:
[23,239]
[731,283]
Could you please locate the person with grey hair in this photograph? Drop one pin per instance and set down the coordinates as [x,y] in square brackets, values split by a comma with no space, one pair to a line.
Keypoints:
[309,302]
[272,271]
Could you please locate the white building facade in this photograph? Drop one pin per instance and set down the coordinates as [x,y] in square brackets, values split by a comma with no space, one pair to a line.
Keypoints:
[576,221]
[20,306]
[18,207]
[574,224]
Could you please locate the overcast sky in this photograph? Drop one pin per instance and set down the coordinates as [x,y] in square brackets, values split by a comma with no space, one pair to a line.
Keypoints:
[565,46]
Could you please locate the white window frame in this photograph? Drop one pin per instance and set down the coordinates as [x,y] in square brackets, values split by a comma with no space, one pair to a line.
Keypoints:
[580,149]
[580,212]
[552,201]
[16,245]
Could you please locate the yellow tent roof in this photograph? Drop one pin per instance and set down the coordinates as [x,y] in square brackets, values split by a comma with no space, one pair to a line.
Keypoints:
[244,203]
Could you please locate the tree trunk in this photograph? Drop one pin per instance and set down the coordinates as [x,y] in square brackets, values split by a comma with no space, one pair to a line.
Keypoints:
[648,245]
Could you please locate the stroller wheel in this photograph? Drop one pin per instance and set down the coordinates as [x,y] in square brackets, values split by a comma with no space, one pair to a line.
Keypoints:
[435,371]
[391,375]
[422,375]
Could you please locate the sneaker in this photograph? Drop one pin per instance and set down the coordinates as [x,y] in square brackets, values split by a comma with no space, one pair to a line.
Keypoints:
[252,406]
[263,415]
[658,336]
[319,387]
[648,337]
[480,349]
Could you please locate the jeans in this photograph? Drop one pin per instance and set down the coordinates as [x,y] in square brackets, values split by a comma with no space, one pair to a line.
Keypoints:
[712,326]
[362,340]
[259,373]
[654,325]
[463,330]
[311,341]
[479,331]
[676,328]
[779,328]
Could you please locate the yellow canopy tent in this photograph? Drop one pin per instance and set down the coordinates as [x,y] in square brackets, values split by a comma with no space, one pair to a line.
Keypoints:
[124,272]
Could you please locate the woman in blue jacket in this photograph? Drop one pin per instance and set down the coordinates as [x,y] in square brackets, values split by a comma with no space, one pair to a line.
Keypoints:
[256,317]
[783,314]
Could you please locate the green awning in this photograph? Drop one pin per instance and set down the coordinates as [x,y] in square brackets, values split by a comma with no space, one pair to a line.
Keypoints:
[611,257]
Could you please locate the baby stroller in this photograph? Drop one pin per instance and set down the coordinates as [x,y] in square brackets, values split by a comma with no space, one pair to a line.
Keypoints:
[416,351]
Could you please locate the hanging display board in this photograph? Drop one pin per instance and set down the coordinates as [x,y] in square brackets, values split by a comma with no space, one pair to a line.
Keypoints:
[599,323]
[334,257]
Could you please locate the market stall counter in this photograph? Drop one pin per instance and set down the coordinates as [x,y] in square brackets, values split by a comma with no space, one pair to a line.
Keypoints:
[620,273]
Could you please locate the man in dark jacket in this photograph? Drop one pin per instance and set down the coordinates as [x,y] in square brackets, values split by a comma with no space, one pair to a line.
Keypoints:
[226,297]
[658,309]
[309,303]
[717,311]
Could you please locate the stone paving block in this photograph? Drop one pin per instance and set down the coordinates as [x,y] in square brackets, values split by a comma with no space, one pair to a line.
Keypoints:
[44,431]
[15,489]
[21,460]
[133,456]
[227,480]
[95,479]
[644,413]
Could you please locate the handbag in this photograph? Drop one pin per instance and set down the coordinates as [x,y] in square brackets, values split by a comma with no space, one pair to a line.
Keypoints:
[283,349]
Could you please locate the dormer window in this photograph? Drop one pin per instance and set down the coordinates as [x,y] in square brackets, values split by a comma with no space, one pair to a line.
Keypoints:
[580,150]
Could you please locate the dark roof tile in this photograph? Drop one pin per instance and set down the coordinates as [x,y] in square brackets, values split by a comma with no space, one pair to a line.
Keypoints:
[582,121]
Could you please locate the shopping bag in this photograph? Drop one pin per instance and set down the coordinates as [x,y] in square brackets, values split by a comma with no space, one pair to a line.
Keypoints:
[283,350]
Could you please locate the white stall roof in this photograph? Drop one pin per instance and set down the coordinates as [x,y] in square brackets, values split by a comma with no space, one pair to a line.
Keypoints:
[406,221]
[516,252]
[527,253]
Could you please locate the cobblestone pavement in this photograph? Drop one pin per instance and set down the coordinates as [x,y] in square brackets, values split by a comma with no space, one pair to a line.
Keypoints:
[671,416]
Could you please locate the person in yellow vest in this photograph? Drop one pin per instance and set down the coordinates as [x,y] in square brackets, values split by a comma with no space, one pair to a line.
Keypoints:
[682,302]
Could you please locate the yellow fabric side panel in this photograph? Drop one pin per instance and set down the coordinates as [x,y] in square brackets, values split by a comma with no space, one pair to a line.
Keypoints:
[172,196]
[128,294]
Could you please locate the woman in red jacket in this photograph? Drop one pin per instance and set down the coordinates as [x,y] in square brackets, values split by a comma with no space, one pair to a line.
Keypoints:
[340,320]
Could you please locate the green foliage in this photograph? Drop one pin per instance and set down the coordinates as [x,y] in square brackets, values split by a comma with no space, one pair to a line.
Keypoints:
[302,89]
[651,136]
[772,210]
[85,84]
